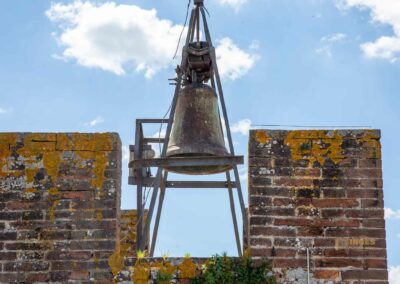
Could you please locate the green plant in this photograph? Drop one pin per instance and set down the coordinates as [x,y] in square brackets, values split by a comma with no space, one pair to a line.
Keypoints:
[163,277]
[225,270]
[246,271]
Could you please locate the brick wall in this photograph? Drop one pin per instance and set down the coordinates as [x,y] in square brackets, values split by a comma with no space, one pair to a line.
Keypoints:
[60,199]
[320,190]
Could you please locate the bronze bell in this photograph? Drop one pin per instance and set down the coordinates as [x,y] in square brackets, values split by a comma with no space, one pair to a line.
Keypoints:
[197,129]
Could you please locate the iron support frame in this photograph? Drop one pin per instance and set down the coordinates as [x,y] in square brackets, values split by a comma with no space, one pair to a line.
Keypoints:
[160,181]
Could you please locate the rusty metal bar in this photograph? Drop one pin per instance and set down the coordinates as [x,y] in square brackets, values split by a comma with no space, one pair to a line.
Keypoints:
[152,120]
[200,184]
[166,139]
[187,161]
[198,24]
[185,184]
[139,195]
[233,211]
[153,140]
[158,215]
[225,114]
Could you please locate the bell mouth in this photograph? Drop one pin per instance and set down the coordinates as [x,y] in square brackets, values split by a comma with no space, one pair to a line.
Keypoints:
[198,170]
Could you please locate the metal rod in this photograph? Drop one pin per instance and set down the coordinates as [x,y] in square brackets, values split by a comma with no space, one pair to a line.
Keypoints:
[153,140]
[152,120]
[187,161]
[158,216]
[139,194]
[225,114]
[167,134]
[191,28]
[200,184]
[198,24]
[233,211]
[185,184]
[308,266]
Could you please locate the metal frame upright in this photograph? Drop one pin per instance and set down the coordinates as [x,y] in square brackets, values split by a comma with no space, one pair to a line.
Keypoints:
[139,164]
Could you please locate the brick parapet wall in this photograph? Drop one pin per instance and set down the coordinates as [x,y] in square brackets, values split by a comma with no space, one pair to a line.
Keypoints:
[320,190]
[60,200]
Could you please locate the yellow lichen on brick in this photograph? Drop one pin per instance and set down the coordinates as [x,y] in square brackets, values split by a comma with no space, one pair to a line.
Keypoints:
[187,269]
[40,142]
[141,274]
[52,209]
[30,174]
[370,141]
[317,147]
[165,268]
[100,162]
[51,163]
[99,167]
[262,137]
[85,142]
[7,140]
[99,215]
[117,260]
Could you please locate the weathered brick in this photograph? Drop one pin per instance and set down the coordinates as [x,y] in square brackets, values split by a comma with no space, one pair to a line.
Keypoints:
[364,274]
[81,275]
[92,245]
[326,193]
[272,231]
[26,266]
[338,263]
[9,277]
[8,236]
[327,274]
[369,233]
[266,242]
[78,265]
[69,255]
[37,277]
[7,255]
[376,263]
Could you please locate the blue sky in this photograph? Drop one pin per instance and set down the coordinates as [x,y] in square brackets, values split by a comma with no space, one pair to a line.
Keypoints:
[74,66]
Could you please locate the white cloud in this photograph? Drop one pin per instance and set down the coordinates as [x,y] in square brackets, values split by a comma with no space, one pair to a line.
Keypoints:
[157,147]
[161,133]
[114,37]
[255,45]
[394,275]
[5,110]
[233,62]
[236,4]
[121,38]
[243,173]
[383,12]
[94,122]
[327,42]
[334,37]
[392,214]
[125,153]
[242,126]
